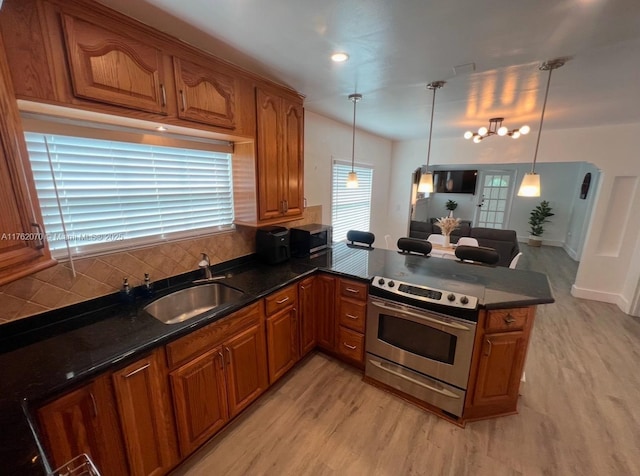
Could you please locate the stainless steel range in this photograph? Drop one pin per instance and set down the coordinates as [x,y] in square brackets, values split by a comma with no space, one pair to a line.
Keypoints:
[419,340]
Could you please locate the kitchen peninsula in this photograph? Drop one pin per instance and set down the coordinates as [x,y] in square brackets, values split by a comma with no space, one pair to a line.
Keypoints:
[45,356]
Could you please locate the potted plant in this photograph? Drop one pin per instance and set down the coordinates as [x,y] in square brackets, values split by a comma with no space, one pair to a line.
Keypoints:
[538,217]
[451,206]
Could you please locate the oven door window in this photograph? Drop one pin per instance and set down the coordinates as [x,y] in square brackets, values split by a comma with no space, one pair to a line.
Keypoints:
[419,339]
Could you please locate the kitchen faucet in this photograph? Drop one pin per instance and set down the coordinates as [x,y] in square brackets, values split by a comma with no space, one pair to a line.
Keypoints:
[205,263]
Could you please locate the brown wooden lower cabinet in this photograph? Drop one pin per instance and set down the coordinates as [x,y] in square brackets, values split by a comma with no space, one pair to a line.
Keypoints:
[85,421]
[146,415]
[325,311]
[282,342]
[211,389]
[246,367]
[350,345]
[200,399]
[307,290]
[500,349]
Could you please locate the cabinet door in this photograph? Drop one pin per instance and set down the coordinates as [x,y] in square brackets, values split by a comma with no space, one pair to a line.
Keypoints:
[292,159]
[205,95]
[246,368]
[282,342]
[200,399]
[268,150]
[146,416]
[307,318]
[325,304]
[499,370]
[85,421]
[112,68]
[22,249]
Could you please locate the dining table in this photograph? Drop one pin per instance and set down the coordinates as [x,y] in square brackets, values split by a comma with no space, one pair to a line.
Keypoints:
[442,251]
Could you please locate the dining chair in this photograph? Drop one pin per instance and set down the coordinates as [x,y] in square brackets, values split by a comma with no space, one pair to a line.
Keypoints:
[364,237]
[467,241]
[477,254]
[436,239]
[514,261]
[414,245]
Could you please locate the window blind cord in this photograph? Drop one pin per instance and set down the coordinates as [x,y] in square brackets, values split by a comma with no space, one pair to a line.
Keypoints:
[55,190]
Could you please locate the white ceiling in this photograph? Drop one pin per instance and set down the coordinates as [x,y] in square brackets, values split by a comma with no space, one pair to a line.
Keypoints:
[396,47]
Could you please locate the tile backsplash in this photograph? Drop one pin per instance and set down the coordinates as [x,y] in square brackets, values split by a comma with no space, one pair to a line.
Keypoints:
[99,275]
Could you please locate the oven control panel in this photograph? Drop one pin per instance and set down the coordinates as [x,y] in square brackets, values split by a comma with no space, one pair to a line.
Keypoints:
[425,293]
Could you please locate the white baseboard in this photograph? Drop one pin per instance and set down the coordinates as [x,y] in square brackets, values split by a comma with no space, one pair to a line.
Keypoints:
[525,239]
[573,254]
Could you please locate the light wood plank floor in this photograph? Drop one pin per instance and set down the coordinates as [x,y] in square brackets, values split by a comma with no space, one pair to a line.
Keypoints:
[579,409]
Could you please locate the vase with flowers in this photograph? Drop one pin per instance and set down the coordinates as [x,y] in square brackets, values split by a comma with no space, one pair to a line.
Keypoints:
[447,225]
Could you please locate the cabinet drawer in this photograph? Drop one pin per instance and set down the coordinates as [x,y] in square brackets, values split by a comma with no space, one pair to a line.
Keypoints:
[202,340]
[507,319]
[281,300]
[352,314]
[353,289]
[351,344]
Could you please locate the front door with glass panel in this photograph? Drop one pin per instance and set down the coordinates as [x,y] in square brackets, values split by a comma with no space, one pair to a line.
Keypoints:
[494,198]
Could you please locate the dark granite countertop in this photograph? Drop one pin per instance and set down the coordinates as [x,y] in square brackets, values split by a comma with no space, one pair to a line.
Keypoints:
[39,362]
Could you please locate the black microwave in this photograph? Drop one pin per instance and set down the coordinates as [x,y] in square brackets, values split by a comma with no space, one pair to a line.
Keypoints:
[310,239]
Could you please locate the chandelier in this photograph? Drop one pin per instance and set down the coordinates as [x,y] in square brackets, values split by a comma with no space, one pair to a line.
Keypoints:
[496,127]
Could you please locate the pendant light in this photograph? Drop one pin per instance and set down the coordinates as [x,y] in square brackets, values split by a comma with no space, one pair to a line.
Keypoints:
[426,179]
[352,180]
[530,186]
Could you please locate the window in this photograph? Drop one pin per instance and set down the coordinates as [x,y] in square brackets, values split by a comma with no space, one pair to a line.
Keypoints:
[350,207]
[114,194]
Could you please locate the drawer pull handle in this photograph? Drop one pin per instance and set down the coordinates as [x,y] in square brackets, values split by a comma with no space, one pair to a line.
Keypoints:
[184,100]
[164,95]
[354,291]
[509,319]
[351,316]
[487,352]
[352,347]
[282,301]
[95,407]
[132,373]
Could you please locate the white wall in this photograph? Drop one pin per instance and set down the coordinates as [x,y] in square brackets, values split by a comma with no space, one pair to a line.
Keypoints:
[610,262]
[325,140]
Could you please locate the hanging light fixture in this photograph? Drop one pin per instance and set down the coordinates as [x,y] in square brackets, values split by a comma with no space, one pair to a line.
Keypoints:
[496,127]
[352,179]
[530,186]
[426,179]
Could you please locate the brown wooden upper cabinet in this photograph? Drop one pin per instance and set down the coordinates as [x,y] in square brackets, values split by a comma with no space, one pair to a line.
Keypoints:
[114,69]
[204,94]
[279,139]
[22,248]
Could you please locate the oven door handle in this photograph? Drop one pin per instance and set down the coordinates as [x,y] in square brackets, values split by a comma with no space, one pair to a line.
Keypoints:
[403,310]
[443,392]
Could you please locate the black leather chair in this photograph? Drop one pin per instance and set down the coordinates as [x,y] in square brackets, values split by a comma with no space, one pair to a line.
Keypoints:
[478,254]
[414,245]
[365,237]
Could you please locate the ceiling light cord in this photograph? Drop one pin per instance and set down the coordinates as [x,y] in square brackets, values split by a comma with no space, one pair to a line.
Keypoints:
[530,185]
[426,179]
[433,87]
[352,179]
[355,99]
[544,107]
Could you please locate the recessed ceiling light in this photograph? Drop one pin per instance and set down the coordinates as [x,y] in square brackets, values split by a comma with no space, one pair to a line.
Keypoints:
[339,57]
[161,128]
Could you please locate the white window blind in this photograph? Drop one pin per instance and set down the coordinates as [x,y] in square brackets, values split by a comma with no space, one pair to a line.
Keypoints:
[119,194]
[350,207]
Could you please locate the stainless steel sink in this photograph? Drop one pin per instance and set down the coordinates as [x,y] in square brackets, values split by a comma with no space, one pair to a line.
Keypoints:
[187,303]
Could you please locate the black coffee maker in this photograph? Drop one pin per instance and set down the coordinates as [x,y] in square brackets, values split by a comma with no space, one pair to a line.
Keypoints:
[272,244]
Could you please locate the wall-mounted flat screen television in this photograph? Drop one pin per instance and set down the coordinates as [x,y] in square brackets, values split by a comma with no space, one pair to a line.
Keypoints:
[455,181]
